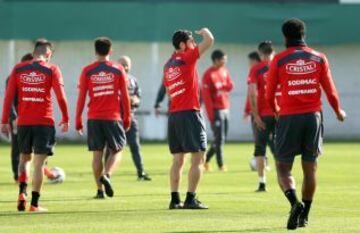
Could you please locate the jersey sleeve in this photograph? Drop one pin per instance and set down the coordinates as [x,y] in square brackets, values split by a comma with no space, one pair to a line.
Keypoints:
[206,91]
[125,98]
[160,95]
[252,77]
[82,89]
[271,85]
[58,86]
[10,93]
[229,83]
[192,55]
[328,85]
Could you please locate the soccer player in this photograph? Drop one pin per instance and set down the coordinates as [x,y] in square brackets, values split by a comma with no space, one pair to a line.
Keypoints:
[32,82]
[132,136]
[105,82]
[264,117]
[186,127]
[15,152]
[216,88]
[301,73]
[253,58]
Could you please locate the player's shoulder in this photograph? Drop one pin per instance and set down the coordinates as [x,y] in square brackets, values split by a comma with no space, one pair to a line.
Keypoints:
[317,54]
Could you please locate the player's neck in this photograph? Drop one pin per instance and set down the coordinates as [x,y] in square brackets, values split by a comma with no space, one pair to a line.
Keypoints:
[40,58]
[102,58]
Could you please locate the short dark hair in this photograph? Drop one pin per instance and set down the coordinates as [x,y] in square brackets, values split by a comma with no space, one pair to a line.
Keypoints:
[265,47]
[42,46]
[180,36]
[27,57]
[254,56]
[293,29]
[217,55]
[103,46]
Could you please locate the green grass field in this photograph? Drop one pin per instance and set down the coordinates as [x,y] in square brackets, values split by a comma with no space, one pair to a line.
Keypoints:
[142,207]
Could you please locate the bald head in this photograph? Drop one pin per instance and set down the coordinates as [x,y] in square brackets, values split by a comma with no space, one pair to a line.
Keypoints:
[125,61]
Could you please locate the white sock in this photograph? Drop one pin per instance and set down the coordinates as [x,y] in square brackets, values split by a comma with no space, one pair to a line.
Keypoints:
[262,179]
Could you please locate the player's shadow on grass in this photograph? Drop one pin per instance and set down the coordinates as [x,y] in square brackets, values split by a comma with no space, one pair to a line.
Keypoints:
[274,229]
[74,212]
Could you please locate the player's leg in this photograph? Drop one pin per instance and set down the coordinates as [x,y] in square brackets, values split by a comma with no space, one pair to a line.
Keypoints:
[25,139]
[209,154]
[97,167]
[194,140]
[194,177]
[219,138]
[37,181]
[308,189]
[175,180]
[24,173]
[311,150]
[261,136]
[115,139]
[15,153]
[96,144]
[43,144]
[133,140]
[288,143]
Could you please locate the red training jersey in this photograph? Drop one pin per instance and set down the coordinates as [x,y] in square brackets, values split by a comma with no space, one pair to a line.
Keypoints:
[216,86]
[181,80]
[301,72]
[106,83]
[258,75]
[32,81]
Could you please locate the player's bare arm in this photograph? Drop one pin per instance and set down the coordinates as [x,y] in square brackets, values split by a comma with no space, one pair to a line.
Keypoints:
[208,40]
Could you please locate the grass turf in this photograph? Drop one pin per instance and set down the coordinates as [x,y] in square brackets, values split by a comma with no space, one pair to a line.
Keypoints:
[142,206]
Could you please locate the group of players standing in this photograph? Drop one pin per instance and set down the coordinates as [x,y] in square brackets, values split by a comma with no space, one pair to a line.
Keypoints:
[292,119]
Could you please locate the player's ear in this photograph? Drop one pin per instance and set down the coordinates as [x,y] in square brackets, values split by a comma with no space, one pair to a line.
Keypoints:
[110,52]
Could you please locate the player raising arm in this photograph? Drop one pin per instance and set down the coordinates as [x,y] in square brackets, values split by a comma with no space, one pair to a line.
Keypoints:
[186,126]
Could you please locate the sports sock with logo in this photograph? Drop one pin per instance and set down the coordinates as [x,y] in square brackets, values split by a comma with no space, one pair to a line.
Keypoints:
[307,206]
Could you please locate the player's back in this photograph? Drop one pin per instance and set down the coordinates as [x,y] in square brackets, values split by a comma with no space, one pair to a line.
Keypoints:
[102,80]
[181,80]
[34,81]
[300,71]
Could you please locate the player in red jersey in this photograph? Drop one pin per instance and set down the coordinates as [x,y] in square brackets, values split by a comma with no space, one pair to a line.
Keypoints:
[32,82]
[264,117]
[301,73]
[216,88]
[186,127]
[253,58]
[106,84]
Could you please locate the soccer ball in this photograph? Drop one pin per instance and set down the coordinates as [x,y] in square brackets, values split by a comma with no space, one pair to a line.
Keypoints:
[59,175]
[252,164]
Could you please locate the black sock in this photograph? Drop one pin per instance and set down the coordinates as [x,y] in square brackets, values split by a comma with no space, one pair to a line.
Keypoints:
[22,187]
[291,196]
[175,197]
[262,185]
[100,191]
[35,198]
[190,196]
[307,206]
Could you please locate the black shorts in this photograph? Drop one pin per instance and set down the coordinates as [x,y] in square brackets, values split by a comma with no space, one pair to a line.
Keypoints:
[186,132]
[37,139]
[299,134]
[105,132]
[264,137]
